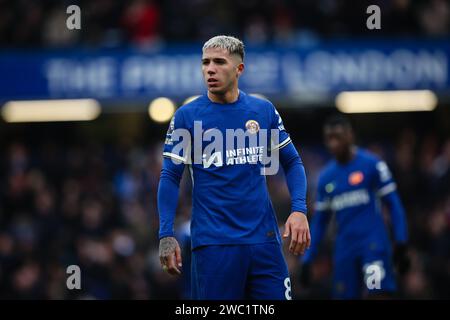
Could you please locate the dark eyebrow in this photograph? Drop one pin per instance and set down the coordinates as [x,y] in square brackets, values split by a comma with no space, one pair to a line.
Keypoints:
[220,59]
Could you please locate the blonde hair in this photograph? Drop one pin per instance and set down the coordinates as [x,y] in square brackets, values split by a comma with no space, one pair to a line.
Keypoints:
[231,44]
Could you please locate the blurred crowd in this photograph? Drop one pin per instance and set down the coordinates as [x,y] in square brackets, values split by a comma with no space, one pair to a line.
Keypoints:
[94,205]
[150,23]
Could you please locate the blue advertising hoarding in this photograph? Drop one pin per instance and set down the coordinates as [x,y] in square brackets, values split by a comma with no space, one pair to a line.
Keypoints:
[317,72]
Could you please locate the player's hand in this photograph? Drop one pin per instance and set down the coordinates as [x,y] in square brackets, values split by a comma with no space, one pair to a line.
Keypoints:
[401,258]
[298,228]
[170,255]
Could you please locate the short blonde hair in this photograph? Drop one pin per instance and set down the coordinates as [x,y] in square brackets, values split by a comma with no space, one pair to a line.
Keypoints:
[231,44]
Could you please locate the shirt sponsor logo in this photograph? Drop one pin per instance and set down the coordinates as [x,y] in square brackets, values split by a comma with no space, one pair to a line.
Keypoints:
[218,147]
[251,155]
[350,199]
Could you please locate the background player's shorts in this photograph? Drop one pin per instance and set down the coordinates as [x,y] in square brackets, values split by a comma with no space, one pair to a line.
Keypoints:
[228,272]
[369,272]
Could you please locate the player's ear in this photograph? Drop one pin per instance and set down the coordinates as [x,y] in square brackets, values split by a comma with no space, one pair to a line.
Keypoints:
[240,69]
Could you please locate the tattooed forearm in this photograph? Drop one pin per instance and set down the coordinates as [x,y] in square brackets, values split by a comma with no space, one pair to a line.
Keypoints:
[167,246]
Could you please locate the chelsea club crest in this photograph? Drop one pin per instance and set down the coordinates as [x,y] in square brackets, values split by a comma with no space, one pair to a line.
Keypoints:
[252,126]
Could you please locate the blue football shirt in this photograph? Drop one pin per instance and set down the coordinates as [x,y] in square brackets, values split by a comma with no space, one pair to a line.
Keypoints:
[231,203]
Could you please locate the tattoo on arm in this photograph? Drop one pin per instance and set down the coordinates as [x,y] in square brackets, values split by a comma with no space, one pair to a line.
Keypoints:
[167,246]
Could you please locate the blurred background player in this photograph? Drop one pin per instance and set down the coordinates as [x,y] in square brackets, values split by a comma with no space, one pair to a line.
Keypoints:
[236,244]
[350,186]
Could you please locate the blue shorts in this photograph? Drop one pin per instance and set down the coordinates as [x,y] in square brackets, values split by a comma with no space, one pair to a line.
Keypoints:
[364,273]
[230,272]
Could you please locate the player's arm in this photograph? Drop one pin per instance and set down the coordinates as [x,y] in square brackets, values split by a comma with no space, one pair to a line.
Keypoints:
[319,224]
[387,191]
[296,225]
[168,190]
[167,197]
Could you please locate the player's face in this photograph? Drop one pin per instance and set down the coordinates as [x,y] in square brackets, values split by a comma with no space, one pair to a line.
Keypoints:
[220,70]
[338,140]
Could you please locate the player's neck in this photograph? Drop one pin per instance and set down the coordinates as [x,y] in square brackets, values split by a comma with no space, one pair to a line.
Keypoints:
[228,97]
[347,156]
